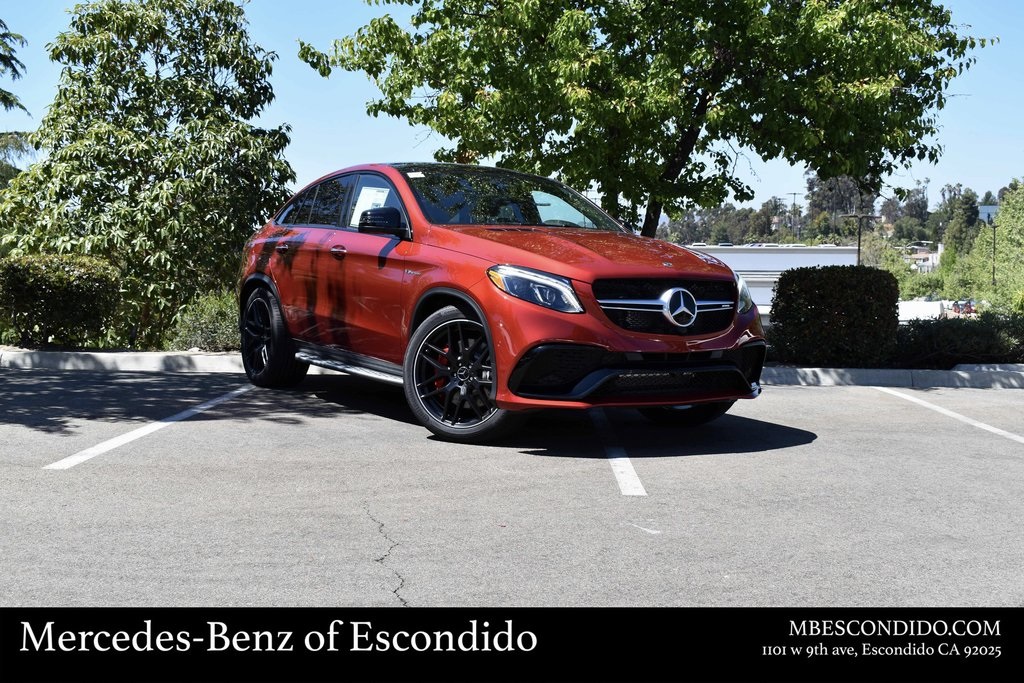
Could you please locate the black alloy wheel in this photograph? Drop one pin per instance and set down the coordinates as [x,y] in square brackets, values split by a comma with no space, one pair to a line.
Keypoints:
[449,378]
[268,354]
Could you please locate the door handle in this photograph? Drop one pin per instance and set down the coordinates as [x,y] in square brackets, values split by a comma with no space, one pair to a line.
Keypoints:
[282,247]
[338,251]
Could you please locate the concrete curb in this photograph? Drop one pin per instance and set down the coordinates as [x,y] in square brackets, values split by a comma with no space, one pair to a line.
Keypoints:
[963,376]
[127,361]
[911,379]
[175,361]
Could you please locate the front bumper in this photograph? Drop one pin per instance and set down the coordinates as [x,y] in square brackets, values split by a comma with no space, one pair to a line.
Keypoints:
[547,359]
[566,372]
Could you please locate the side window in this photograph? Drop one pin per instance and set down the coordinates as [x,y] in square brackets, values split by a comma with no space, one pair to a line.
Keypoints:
[299,210]
[373,193]
[330,201]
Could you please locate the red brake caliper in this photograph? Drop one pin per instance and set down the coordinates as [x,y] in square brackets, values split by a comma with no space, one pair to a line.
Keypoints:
[440,382]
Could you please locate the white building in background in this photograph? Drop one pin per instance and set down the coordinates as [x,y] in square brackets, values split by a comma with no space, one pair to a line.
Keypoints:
[922,259]
[761,266]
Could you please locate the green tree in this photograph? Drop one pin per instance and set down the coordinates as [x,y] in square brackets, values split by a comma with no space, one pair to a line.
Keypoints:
[876,252]
[1014,184]
[907,230]
[915,204]
[1009,254]
[152,161]
[10,64]
[892,210]
[907,204]
[12,145]
[683,228]
[654,101]
[921,285]
[768,218]
[739,224]
[838,195]
[963,221]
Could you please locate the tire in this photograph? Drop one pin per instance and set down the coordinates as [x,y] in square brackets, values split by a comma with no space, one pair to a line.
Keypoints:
[688,415]
[268,353]
[449,379]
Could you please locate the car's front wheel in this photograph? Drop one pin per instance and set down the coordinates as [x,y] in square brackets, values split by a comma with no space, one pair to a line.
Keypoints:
[268,354]
[687,416]
[449,378]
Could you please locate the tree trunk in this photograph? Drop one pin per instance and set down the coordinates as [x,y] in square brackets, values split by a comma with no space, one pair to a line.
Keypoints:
[676,162]
[651,218]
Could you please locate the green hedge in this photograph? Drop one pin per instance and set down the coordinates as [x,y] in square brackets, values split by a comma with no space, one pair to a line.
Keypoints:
[209,323]
[1017,303]
[942,344]
[835,316]
[65,300]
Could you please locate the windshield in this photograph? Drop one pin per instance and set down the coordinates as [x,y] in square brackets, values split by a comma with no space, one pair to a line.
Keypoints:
[481,195]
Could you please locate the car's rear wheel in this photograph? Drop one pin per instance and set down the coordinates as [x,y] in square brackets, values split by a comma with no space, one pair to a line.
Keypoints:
[449,378]
[688,415]
[268,353]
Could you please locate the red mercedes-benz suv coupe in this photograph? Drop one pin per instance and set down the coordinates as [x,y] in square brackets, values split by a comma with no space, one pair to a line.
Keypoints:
[487,293]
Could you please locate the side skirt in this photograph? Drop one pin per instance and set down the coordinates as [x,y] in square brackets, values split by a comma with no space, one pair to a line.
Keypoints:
[348,362]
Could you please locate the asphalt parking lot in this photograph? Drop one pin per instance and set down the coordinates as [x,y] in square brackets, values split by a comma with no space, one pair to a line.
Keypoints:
[332,495]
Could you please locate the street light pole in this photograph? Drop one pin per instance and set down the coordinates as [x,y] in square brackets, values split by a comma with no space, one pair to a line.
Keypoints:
[859,216]
[796,218]
[993,224]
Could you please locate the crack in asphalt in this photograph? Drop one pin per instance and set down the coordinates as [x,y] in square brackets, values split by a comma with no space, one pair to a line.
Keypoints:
[382,560]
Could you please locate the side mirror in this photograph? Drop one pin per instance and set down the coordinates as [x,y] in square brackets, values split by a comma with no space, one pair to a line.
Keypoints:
[385,220]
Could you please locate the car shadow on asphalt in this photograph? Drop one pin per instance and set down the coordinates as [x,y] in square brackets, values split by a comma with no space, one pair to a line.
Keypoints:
[549,433]
[357,395]
[54,402]
[57,402]
[573,434]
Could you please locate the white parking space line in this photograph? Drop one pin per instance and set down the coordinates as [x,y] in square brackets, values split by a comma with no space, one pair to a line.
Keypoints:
[622,468]
[111,444]
[956,416]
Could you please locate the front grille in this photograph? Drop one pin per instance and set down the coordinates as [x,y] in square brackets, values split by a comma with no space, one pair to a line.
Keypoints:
[653,321]
[656,323]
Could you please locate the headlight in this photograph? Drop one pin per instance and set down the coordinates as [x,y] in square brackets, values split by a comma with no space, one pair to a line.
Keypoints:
[543,289]
[746,301]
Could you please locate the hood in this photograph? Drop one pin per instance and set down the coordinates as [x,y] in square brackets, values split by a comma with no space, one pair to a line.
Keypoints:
[587,255]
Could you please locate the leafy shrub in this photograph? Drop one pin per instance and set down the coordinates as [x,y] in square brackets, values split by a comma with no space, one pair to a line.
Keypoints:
[1017,303]
[844,316]
[917,285]
[7,333]
[209,323]
[62,299]
[942,344]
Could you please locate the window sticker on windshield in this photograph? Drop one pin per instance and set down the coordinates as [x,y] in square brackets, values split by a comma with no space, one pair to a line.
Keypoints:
[369,198]
[415,174]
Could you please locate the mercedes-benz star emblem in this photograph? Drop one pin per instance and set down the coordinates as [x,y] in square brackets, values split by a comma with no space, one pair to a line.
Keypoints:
[679,306]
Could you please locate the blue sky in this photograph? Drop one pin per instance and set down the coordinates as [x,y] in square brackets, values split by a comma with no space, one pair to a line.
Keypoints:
[981,130]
